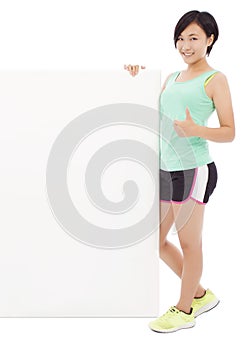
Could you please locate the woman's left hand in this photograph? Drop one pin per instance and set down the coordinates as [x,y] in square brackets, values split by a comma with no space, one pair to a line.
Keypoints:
[187,127]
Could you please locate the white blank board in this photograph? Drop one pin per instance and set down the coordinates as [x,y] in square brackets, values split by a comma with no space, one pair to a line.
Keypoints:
[44,270]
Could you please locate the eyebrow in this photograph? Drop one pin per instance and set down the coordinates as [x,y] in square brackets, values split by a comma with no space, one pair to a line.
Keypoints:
[193,34]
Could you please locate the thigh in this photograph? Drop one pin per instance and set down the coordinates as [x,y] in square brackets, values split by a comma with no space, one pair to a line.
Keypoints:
[166,219]
[188,218]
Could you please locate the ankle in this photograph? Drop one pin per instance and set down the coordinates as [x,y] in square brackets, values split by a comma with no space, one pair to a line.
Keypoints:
[186,311]
[200,294]
[183,308]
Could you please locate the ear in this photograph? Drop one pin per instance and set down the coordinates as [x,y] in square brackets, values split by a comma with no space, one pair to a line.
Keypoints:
[211,40]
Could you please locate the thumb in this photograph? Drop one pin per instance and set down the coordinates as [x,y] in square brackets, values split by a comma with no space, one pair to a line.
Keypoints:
[188,114]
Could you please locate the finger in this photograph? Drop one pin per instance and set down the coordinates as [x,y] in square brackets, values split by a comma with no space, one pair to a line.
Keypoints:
[177,129]
[132,70]
[188,114]
[128,67]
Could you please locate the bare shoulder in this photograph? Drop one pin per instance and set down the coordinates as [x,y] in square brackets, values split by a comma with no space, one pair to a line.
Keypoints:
[220,78]
[218,83]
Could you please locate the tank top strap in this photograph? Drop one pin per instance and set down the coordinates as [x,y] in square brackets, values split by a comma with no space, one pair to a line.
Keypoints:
[209,75]
[205,77]
[172,77]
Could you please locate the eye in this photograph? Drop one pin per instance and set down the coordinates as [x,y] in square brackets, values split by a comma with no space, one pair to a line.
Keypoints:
[194,39]
[179,39]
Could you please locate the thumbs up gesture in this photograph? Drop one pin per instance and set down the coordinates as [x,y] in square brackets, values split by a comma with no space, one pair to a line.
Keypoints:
[186,128]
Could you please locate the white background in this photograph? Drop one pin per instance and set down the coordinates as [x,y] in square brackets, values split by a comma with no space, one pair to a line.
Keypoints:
[60,35]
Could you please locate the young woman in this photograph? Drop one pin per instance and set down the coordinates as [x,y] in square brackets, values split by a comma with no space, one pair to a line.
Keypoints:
[188,174]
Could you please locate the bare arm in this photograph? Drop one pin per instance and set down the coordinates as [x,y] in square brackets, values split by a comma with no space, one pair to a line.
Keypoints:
[218,90]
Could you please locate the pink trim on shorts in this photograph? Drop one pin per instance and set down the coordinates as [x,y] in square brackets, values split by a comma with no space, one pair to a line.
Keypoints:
[198,201]
[190,195]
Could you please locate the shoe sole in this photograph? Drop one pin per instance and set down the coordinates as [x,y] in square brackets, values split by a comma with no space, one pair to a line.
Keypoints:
[187,325]
[207,308]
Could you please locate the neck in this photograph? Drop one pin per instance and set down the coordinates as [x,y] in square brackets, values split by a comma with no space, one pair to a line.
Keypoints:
[198,66]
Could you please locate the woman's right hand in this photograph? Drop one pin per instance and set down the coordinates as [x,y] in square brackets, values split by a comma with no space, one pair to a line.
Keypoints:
[133,70]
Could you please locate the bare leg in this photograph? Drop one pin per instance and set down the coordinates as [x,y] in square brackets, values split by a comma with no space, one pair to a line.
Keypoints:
[168,252]
[189,222]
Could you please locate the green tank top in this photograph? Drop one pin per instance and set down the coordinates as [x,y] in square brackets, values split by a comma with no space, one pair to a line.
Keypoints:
[182,153]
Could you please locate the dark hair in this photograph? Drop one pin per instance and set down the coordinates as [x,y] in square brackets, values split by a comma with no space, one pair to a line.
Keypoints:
[204,19]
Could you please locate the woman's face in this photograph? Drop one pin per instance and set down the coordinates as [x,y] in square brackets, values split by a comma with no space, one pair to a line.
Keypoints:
[192,43]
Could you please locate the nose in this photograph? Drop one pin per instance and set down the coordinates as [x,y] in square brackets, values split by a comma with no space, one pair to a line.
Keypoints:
[185,45]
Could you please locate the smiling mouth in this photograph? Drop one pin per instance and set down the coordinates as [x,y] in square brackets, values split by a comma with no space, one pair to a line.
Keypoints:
[187,54]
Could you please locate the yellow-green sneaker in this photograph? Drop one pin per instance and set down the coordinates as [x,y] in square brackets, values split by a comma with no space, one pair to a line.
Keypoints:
[172,321]
[205,303]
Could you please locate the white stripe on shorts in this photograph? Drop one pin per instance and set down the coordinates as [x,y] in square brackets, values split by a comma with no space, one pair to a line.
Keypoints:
[201,180]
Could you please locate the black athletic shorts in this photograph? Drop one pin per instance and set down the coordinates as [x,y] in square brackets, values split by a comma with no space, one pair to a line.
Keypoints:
[179,186]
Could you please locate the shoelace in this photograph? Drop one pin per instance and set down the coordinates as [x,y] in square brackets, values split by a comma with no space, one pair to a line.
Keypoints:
[173,309]
[171,312]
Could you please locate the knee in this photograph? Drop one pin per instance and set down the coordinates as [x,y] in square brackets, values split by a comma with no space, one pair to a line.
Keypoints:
[191,247]
[163,246]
